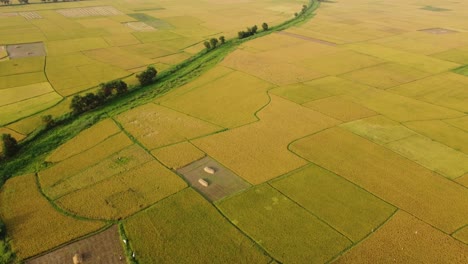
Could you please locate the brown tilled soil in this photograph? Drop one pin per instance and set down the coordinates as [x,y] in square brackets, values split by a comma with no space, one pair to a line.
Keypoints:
[221,184]
[26,50]
[103,248]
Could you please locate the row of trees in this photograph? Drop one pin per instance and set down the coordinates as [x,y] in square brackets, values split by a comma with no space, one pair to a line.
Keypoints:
[89,101]
[303,10]
[251,31]
[9,146]
[213,42]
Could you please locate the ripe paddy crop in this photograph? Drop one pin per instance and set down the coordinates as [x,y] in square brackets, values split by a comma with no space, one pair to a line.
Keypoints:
[178,155]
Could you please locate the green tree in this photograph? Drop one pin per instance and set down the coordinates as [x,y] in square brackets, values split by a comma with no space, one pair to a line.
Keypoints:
[254,29]
[10,145]
[147,76]
[265,26]
[48,121]
[207,45]
[213,42]
[222,39]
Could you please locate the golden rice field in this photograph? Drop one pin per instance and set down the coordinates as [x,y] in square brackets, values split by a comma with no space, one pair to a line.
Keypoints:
[350,128]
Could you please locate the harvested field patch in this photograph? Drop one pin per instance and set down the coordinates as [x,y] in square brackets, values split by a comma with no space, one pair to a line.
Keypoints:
[32,222]
[397,180]
[385,76]
[228,101]
[268,69]
[186,228]
[221,183]
[104,247]
[117,163]
[258,152]
[156,126]
[30,15]
[85,140]
[124,194]
[442,132]
[89,11]
[341,62]
[89,157]
[340,108]
[274,221]
[432,155]
[379,129]
[140,26]
[348,208]
[17,94]
[178,155]
[447,89]
[407,239]
[26,50]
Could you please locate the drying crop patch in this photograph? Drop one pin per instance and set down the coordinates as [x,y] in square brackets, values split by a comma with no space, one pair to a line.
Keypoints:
[258,152]
[397,180]
[123,194]
[266,215]
[18,94]
[340,108]
[140,26]
[229,101]
[37,231]
[268,69]
[432,155]
[220,184]
[15,111]
[442,132]
[85,140]
[416,61]
[348,208]
[397,107]
[118,163]
[26,50]
[447,89]
[89,157]
[22,65]
[89,11]
[156,126]
[405,238]
[178,155]
[341,62]
[378,129]
[385,76]
[186,228]
[118,57]
[103,246]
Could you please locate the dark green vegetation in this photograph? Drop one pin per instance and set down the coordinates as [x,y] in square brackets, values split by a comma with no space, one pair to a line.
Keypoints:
[463,70]
[6,256]
[434,9]
[9,146]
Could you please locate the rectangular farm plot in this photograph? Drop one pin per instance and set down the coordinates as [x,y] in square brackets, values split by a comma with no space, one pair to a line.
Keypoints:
[404,238]
[185,228]
[105,245]
[37,231]
[274,221]
[459,55]
[212,179]
[26,50]
[461,122]
[299,93]
[229,101]
[348,208]
[462,235]
[118,57]
[391,177]
[22,65]
[156,126]
[340,108]
[432,155]
[385,76]
[20,93]
[89,11]
[123,194]
[178,155]
[16,80]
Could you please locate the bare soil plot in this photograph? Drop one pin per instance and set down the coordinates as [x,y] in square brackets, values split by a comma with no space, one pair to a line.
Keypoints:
[101,248]
[405,239]
[90,11]
[30,15]
[220,184]
[26,50]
